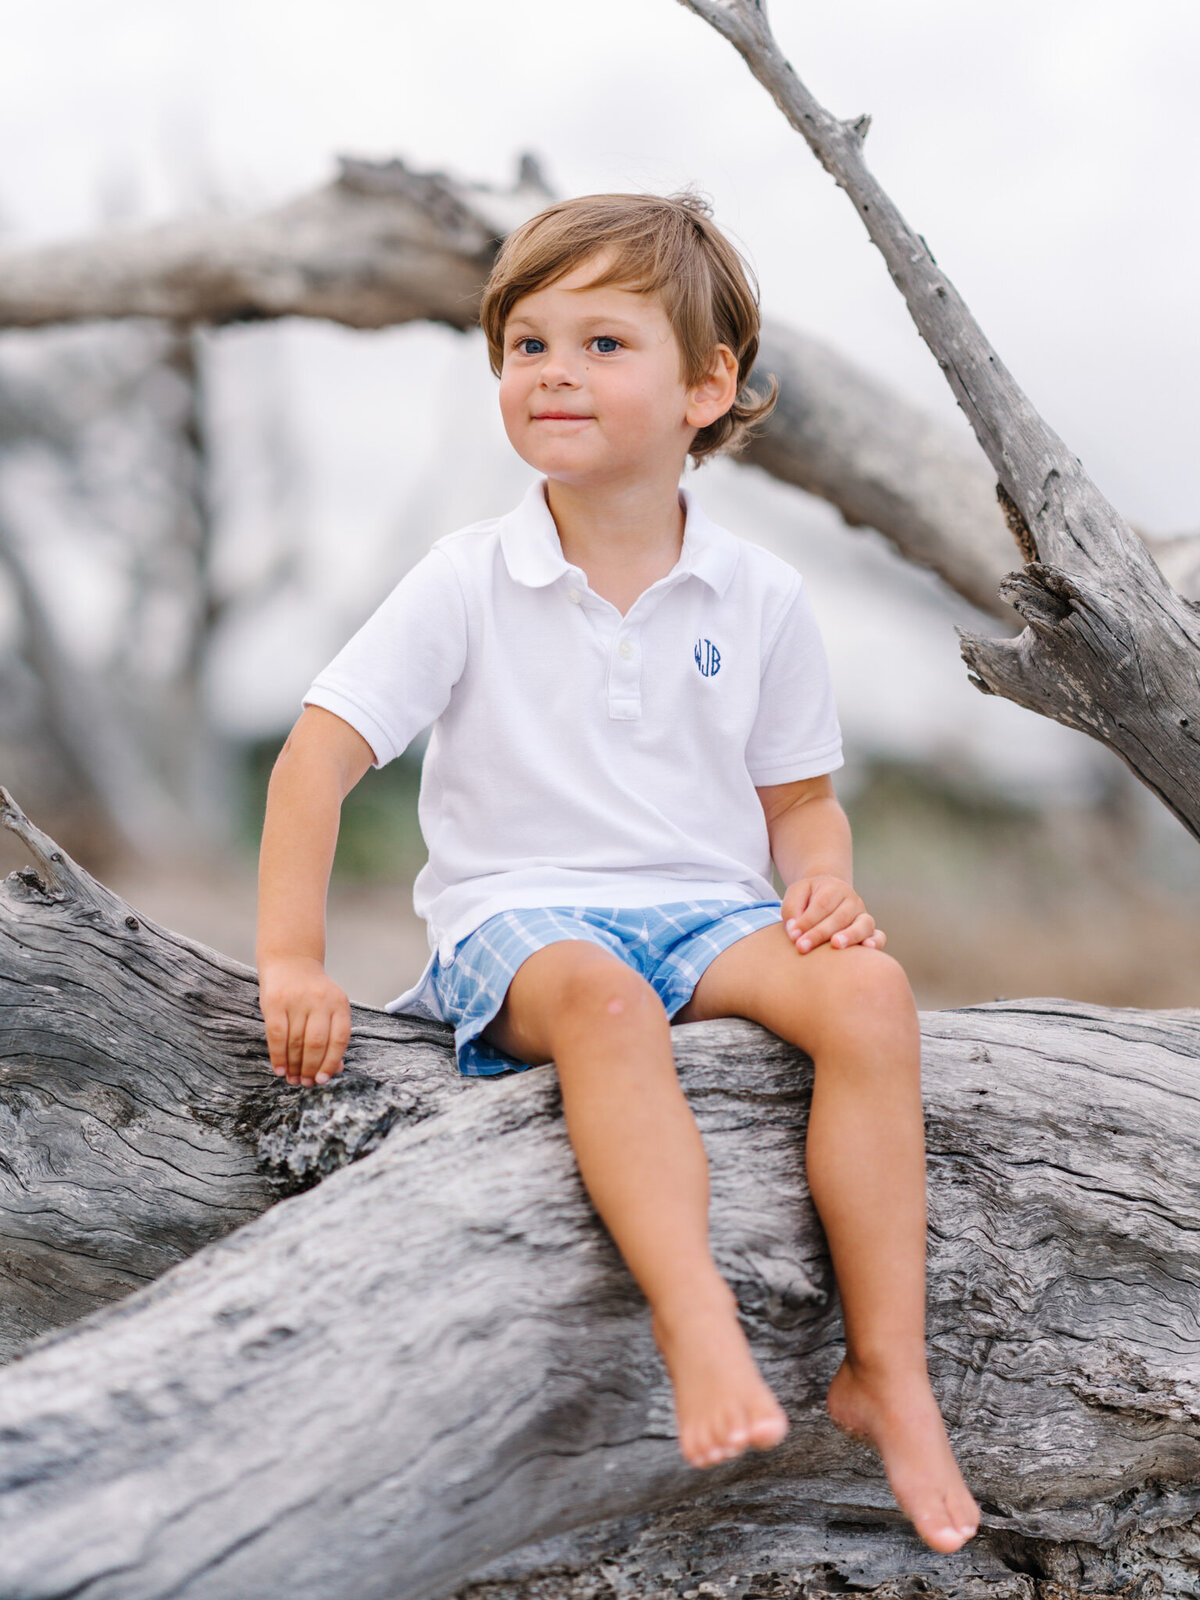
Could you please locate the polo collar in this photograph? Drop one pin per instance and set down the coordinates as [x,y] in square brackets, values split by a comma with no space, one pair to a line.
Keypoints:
[534,557]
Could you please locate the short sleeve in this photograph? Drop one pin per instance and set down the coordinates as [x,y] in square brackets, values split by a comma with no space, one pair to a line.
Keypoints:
[796,732]
[394,677]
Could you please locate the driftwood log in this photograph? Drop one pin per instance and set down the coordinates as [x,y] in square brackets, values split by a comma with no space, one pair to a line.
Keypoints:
[372,1339]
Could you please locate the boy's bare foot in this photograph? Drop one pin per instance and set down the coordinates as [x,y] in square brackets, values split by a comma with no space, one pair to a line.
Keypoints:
[722,1405]
[898,1415]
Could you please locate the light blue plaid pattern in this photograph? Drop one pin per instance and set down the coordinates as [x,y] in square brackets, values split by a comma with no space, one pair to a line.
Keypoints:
[669,945]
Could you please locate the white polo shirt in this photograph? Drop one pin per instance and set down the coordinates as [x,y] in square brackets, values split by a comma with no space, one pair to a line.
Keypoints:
[578,756]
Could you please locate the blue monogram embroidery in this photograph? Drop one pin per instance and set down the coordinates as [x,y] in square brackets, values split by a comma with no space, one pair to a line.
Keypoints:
[708,658]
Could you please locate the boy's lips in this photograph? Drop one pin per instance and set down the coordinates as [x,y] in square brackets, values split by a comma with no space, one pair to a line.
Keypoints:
[561,416]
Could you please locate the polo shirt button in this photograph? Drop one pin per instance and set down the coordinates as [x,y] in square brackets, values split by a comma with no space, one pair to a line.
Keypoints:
[574,596]
[625,649]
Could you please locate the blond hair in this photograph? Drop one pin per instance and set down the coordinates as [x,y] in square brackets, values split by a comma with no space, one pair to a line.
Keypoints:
[664,245]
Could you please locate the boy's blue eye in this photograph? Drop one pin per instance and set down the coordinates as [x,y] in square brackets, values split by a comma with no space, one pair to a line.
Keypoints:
[607,343]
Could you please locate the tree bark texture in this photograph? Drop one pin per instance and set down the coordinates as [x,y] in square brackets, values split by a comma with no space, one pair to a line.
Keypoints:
[427,1366]
[1109,647]
[383,244]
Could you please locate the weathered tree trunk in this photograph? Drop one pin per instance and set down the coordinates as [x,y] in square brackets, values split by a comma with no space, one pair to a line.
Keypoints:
[1110,648]
[434,1364]
[122,1158]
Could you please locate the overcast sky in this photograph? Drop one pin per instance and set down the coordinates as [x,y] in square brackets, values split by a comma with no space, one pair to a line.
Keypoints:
[1046,149]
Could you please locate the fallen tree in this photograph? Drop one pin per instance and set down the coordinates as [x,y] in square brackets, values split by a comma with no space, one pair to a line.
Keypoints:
[373,1337]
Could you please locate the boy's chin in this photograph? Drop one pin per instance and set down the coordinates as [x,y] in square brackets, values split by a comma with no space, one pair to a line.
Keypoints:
[551,463]
[575,471]
[562,470]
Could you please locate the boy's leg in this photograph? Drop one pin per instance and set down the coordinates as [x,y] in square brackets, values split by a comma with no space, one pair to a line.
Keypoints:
[643,1163]
[852,1011]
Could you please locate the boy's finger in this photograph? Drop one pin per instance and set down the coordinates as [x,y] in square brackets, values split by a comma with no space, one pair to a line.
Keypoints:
[316,1042]
[339,1038]
[295,1045]
[859,930]
[795,901]
[277,1037]
[825,904]
[836,922]
[806,939]
[817,906]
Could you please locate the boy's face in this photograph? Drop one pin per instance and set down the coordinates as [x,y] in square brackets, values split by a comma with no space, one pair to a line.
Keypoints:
[591,389]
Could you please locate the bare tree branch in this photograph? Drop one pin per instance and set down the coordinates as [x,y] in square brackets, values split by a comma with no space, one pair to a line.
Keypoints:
[1109,647]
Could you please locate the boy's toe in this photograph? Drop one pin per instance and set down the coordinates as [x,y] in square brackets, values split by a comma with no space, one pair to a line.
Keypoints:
[941,1527]
[948,1539]
[961,1512]
[735,1429]
[767,1431]
[966,1519]
[715,1448]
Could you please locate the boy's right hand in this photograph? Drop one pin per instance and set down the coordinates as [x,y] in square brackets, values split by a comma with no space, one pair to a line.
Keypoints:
[307,1019]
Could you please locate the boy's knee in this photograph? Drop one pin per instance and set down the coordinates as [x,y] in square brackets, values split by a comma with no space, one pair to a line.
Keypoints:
[599,993]
[866,988]
[883,974]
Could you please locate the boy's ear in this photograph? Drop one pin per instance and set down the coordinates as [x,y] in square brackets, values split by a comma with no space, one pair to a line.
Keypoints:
[715,393]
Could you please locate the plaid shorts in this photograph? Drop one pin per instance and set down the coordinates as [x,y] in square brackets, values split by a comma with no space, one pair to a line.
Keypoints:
[670,946]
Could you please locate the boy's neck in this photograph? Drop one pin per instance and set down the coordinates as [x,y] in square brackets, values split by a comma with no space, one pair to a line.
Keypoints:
[630,525]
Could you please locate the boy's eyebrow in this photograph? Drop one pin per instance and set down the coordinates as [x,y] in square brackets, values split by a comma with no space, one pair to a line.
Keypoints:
[591,320]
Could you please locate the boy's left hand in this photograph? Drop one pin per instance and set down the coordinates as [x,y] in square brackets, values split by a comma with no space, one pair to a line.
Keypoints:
[826,909]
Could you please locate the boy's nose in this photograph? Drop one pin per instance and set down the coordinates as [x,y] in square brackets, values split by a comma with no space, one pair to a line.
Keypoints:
[557,370]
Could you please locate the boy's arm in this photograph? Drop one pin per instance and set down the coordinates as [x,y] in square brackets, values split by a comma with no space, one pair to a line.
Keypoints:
[307,1015]
[810,844]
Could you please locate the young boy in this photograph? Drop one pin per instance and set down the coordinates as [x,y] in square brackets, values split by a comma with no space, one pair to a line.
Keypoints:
[631,718]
